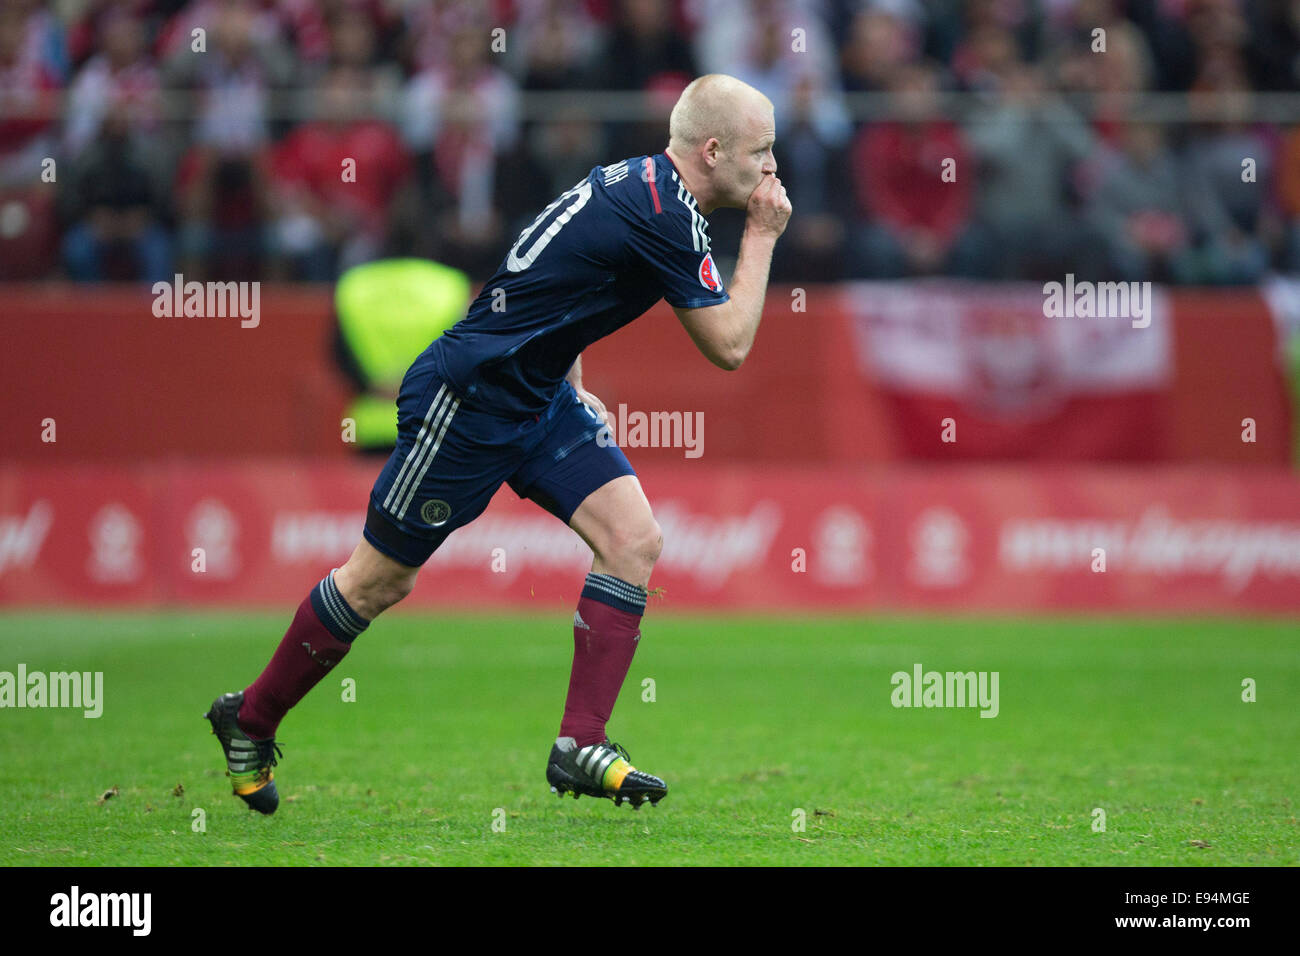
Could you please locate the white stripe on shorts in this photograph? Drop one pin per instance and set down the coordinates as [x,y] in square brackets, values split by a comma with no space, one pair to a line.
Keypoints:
[424,468]
[417,449]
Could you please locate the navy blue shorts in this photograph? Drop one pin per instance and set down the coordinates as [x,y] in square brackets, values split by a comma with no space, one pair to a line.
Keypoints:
[451,457]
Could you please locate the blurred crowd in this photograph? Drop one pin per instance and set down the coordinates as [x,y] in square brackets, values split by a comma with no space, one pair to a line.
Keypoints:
[1050,171]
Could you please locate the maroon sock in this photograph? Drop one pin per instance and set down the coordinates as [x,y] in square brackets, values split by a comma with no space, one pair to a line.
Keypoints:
[605,634]
[308,651]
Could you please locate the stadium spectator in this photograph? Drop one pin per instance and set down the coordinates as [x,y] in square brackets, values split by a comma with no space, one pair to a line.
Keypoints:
[558,45]
[26,85]
[468,94]
[1140,205]
[813,159]
[28,135]
[458,117]
[1164,34]
[121,74]
[245,72]
[1288,195]
[354,43]
[84,36]
[234,78]
[1233,224]
[1026,145]
[643,45]
[1274,40]
[987,54]
[878,44]
[312,29]
[334,181]
[115,208]
[44,38]
[564,149]
[1116,79]
[221,179]
[1218,31]
[768,44]
[913,222]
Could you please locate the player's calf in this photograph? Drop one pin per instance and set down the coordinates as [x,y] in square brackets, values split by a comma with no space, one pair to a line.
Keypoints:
[616,522]
[320,635]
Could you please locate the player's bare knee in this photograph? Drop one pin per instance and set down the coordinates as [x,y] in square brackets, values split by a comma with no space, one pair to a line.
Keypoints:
[634,549]
[653,543]
[370,588]
[385,591]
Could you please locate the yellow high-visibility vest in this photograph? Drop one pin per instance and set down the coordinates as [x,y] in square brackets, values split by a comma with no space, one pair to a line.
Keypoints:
[388,313]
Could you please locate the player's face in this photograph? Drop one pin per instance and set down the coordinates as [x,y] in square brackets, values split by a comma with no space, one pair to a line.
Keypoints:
[752,157]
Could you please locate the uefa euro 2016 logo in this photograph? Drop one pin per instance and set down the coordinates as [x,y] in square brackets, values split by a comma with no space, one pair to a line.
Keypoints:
[709,274]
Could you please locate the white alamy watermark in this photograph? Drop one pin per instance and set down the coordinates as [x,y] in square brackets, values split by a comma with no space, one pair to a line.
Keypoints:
[208,300]
[75,689]
[946,689]
[74,908]
[655,430]
[1098,300]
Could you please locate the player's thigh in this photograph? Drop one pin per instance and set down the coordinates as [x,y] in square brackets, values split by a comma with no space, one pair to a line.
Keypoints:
[449,461]
[583,478]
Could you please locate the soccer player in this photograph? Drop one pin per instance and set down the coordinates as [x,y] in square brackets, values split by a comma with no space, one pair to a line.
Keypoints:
[499,398]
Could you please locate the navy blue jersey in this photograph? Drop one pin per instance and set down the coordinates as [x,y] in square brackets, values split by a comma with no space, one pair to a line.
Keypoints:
[596,258]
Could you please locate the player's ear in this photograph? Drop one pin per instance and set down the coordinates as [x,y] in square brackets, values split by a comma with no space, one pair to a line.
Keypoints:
[712,147]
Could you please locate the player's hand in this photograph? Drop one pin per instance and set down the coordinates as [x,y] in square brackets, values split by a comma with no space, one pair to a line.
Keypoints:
[769,207]
[594,403]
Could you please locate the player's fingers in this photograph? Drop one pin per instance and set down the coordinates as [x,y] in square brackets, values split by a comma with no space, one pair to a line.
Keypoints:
[595,405]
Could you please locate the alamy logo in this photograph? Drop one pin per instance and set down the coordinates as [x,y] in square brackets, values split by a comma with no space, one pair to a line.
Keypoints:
[103,909]
[1098,300]
[75,689]
[208,300]
[950,689]
[636,429]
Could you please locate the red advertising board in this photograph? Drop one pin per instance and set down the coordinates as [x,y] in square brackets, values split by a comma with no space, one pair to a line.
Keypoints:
[979,538]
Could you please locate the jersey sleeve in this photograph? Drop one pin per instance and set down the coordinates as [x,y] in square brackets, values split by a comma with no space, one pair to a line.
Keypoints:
[673,246]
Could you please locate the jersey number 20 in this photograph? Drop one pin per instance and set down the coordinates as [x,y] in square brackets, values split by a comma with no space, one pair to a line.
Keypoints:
[579,194]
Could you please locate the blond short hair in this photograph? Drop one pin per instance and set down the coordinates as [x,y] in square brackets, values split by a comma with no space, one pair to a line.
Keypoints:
[710,106]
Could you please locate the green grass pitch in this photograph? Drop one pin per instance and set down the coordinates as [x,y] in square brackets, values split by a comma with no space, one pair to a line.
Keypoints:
[753,720]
